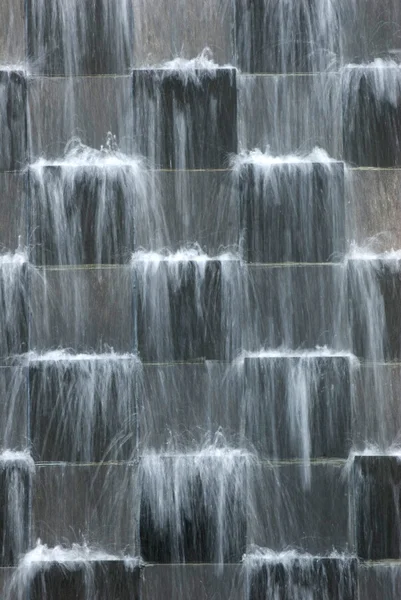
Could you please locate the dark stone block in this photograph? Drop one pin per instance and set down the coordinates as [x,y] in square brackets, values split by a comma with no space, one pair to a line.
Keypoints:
[206,520]
[103,580]
[180,311]
[376,506]
[82,215]
[82,37]
[292,212]
[374,287]
[311,578]
[15,489]
[183,121]
[274,36]
[13,122]
[83,410]
[298,407]
[372,115]
[14,309]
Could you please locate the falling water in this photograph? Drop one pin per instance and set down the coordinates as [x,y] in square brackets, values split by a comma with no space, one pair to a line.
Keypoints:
[87,206]
[13,303]
[193,503]
[179,113]
[293,403]
[88,405]
[194,271]
[291,206]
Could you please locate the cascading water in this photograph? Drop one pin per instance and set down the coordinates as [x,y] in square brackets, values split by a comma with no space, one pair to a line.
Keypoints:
[195,332]
[193,505]
[87,206]
[188,306]
[292,403]
[88,406]
[13,302]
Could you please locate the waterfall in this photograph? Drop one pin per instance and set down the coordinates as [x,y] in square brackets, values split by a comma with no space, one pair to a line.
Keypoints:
[200,292]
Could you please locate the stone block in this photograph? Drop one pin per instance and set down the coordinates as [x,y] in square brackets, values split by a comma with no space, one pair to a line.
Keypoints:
[374,288]
[13,120]
[312,577]
[183,311]
[76,308]
[204,520]
[83,409]
[275,37]
[292,212]
[298,407]
[15,490]
[185,120]
[375,506]
[102,580]
[80,38]
[371,97]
